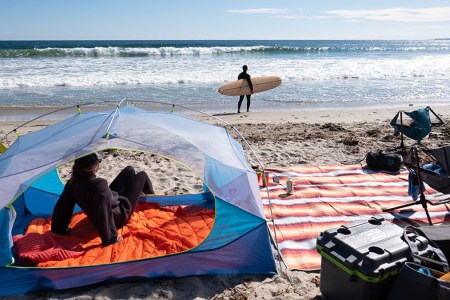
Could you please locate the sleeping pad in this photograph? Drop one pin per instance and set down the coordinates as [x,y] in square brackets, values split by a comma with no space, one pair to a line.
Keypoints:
[152,231]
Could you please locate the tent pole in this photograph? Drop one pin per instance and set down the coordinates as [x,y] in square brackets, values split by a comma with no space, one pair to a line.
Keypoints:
[275,238]
[163,103]
[115,114]
[243,139]
[77,106]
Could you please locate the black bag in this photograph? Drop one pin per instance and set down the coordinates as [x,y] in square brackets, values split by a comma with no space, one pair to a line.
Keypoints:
[418,281]
[379,161]
[440,235]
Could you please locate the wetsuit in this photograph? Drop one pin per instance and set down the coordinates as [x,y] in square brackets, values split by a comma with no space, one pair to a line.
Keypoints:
[246,76]
[108,207]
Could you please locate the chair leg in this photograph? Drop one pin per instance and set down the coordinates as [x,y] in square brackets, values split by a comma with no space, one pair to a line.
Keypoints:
[422,200]
[401,148]
[400,206]
[428,217]
[440,121]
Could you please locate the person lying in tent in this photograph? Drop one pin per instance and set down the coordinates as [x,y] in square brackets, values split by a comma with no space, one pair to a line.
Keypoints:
[108,207]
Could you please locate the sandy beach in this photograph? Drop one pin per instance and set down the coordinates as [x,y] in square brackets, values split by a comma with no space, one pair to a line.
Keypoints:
[278,139]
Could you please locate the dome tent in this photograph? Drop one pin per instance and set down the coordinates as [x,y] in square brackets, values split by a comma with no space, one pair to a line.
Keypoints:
[238,242]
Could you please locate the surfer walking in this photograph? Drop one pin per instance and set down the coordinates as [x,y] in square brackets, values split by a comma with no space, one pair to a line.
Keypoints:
[244,75]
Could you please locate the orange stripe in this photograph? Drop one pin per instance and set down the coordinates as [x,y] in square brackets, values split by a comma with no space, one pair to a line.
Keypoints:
[321,209]
[317,187]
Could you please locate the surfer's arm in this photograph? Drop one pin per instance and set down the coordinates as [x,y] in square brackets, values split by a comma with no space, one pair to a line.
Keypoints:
[245,76]
[250,84]
[249,80]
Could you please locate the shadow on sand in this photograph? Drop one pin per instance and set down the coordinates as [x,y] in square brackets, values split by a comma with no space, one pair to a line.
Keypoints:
[225,114]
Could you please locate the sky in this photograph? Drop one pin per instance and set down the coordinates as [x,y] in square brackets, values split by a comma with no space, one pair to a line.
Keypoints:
[223,19]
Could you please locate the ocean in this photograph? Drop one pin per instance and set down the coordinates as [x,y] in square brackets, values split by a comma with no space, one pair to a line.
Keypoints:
[315,74]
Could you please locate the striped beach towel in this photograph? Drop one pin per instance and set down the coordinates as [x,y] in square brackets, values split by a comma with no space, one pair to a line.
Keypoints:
[329,196]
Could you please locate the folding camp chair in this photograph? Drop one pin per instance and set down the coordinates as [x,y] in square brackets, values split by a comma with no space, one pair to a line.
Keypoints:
[436,175]
[419,125]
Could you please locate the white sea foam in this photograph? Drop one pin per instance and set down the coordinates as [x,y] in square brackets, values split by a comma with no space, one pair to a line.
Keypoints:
[145,51]
[319,74]
[163,51]
[93,72]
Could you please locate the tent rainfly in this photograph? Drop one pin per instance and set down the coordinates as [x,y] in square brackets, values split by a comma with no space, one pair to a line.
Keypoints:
[239,240]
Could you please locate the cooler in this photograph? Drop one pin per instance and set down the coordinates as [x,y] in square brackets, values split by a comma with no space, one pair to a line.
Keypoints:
[360,260]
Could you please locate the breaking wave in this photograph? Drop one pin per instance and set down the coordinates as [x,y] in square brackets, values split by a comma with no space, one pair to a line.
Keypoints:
[51,52]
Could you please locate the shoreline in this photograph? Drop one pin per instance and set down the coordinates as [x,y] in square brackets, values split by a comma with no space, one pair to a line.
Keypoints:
[20,115]
[29,121]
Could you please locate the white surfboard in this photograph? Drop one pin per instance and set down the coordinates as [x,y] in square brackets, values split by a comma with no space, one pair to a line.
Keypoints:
[240,87]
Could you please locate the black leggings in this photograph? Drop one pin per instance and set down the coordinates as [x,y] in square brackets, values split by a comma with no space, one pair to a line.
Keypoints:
[132,185]
[241,98]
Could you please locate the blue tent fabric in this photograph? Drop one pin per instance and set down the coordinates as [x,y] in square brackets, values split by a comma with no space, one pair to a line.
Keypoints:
[239,242]
[229,226]
[39,152]
[7,217]
[245,255]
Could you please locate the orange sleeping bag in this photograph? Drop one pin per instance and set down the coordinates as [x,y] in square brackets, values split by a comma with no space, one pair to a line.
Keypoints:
[153,230]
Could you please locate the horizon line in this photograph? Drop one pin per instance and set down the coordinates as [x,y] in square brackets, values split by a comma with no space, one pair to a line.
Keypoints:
[380,39]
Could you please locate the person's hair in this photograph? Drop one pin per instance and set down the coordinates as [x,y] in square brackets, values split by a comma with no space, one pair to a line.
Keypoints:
[84,167]
[244,67]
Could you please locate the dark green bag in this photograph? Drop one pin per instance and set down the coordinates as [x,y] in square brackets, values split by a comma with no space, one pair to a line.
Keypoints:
[379,161]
